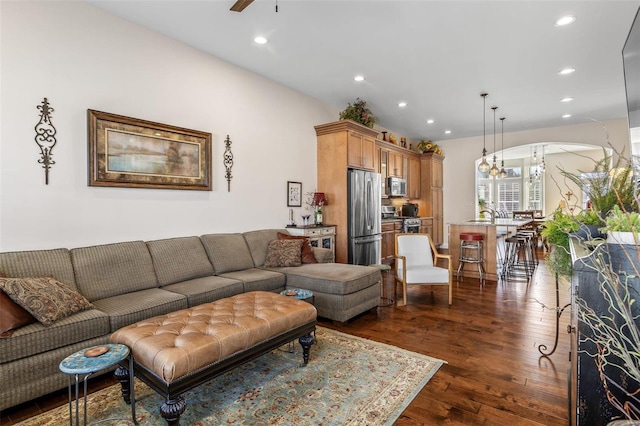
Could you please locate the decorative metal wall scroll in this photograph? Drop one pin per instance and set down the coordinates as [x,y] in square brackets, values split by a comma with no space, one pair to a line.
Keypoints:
[45,138]
[228,162]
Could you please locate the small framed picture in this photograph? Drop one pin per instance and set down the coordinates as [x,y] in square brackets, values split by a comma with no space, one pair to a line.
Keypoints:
[294,194]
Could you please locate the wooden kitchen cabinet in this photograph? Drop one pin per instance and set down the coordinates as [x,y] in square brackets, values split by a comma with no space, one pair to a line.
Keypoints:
[389,230]
[361,151]
[426,225]
[413,182]
[341,145]
[396,162]
[431,190]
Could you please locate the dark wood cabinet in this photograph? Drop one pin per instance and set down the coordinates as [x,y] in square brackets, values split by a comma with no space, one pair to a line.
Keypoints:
[588,401]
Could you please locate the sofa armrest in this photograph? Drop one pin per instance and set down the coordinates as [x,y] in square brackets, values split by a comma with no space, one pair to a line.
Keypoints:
[323,255]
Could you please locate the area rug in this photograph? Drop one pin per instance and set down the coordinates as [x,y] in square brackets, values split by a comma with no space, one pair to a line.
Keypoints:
[348,381]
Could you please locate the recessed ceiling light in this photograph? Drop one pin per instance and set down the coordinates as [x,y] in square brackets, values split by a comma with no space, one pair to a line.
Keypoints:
[566,116]
[565,20]
[567,71]
[430,121]
[446,132]
[402,104]
[260,40]
[567,99]
[359,78]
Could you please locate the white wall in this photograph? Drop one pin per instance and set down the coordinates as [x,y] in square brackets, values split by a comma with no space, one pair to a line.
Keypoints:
[461,154]
[80,58]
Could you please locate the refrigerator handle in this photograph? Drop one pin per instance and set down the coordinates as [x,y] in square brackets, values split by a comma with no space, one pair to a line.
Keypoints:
[369,195]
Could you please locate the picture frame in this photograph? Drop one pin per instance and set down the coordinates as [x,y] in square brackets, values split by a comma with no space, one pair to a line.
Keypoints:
[294,194]
[134,153]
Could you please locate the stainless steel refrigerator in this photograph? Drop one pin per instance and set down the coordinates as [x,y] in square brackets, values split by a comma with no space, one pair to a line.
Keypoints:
[364,217]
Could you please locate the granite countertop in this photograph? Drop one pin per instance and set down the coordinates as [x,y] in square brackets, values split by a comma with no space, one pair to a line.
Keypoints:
[498,222]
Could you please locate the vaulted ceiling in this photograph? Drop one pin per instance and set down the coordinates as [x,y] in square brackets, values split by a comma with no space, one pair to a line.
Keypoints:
[437,56]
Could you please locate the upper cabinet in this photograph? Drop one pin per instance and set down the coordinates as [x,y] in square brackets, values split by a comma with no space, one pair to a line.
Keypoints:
[399,162]
[396,165]
[413,181]
[361,150]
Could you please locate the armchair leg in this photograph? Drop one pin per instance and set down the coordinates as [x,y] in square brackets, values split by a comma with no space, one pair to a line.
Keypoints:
[404,292]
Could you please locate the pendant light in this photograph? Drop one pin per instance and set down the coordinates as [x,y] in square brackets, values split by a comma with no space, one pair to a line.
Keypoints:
[503,172]
[484,167]
[543,166]
[494,171]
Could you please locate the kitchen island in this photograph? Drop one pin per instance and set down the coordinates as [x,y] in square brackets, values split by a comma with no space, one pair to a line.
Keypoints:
[493,233]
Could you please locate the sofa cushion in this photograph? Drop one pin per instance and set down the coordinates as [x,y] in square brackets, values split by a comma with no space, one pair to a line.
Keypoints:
[258,242]
[54,263]
[308,255]
[47,299]
[333,278]
[128,308]
[112,269]
[227,252]
[283,253]
[258,279]
[36,338]
[206,289]
[12,316]
[179,259]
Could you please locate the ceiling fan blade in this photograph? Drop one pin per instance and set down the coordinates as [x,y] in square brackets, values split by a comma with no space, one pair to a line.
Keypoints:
[239,5]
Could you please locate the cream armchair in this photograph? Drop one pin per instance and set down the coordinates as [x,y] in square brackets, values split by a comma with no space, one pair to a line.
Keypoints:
[416,259]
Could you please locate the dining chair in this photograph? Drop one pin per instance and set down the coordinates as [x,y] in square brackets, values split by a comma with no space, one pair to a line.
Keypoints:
[416,259]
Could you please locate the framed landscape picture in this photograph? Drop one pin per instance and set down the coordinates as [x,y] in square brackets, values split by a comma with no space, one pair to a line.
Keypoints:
[294,194]
[134,153]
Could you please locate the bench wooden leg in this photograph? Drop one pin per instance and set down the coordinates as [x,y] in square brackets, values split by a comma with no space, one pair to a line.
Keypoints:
[122,375]
[306,341]
[171,409]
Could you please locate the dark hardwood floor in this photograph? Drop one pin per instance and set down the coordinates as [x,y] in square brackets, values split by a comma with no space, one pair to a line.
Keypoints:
[489,337]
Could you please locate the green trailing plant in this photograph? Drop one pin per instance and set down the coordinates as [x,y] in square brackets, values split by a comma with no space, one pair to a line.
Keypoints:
[359,113]
[556,233]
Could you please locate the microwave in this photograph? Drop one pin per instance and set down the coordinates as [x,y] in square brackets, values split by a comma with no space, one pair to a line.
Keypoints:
[397,187]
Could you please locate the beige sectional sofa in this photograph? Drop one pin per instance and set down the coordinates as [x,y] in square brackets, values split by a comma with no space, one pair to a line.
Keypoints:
[130,281]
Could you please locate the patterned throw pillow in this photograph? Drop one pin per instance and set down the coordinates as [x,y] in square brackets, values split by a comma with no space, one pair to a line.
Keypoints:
[45,298]
[307,250]
[283,253]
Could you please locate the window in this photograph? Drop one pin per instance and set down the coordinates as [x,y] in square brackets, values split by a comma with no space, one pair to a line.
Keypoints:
[512,193]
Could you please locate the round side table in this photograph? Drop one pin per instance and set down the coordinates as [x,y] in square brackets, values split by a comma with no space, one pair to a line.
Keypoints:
[300,294]
[90,360]
[384,271]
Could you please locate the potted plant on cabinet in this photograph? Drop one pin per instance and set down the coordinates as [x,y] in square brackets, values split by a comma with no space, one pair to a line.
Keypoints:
[359,113]
[607,299]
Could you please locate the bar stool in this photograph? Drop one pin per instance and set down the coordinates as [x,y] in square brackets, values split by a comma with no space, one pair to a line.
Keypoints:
[518,260]
[471,252]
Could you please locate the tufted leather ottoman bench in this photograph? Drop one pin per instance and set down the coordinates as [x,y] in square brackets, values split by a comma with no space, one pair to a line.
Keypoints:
[181,350]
